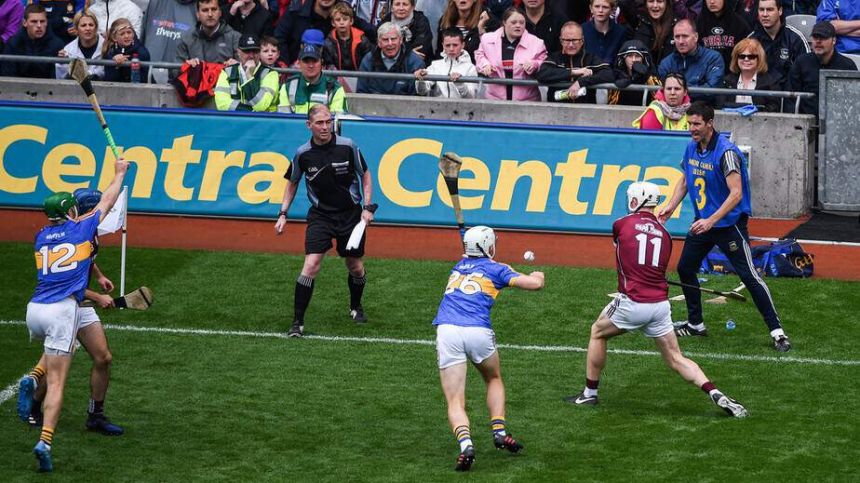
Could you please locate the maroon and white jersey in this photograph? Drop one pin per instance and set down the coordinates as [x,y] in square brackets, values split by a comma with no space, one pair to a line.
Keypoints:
[642,250]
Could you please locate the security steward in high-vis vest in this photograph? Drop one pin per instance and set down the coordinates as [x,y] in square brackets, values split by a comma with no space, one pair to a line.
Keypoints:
[248,85]
[300,91]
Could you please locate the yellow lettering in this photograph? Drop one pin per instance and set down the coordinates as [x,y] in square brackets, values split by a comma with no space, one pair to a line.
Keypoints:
[510,172]
[8,136]
[178,158]
[612,177]
[389,171]
[145,164]
[572,172]
[480,181]
[672,177]
[54,169]
[274,193]
[216,163]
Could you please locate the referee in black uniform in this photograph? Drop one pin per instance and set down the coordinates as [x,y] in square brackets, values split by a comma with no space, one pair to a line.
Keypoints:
[336,175]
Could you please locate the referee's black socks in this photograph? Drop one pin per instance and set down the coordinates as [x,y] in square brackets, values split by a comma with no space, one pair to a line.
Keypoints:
[304,290]
[356,289]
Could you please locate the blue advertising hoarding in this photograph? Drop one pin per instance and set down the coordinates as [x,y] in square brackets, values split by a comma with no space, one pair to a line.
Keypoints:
[216,164]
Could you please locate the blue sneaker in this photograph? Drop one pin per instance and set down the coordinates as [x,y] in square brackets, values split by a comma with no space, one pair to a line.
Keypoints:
[98,422]
[26,389]
[43,455]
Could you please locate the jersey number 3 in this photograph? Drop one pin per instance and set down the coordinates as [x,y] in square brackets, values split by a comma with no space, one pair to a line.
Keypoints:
[468,284]
[701,198]
[644,241]
[55,262]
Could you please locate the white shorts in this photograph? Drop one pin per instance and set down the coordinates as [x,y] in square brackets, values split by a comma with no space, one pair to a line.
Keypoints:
[87,316]
[56,324]
[455,344]
[655,319]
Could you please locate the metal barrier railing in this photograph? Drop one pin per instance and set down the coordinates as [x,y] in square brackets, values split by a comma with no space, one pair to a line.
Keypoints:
[797,96]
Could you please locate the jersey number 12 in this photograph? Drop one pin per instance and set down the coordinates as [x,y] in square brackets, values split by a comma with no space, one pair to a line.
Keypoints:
[56,264]
[644,241]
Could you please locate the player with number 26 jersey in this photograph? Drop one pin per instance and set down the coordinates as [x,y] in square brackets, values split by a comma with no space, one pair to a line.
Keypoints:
[472,289]
[63,259]
[642,251]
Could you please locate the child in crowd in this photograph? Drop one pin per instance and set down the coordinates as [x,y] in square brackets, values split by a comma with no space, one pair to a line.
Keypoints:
[346,45]
[122,45]
[269,56]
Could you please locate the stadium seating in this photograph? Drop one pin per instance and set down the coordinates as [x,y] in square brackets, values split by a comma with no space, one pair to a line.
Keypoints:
[804,23]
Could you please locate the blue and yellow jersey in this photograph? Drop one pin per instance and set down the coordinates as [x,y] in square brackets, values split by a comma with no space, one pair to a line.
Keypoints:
[706,174]
[63,259]
[472,289]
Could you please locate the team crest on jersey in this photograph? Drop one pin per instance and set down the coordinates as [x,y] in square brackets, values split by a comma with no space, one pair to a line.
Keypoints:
[717,31]
[733,246]
[783,54]
[648,228]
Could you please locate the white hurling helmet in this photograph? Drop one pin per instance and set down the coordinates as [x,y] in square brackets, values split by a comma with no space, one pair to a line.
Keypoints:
[480,241]
[641,194]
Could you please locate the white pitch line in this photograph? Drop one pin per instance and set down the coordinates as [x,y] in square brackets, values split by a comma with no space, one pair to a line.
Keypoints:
[10,391]
[430,342]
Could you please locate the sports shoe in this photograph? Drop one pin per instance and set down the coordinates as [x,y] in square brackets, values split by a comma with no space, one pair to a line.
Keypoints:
[465,459]
[26,389]
[730,406]
[581,400]
[781,344]
[357,315]
[35,418]
[297,329]
[100,423]
[684,329]
[43,456]
[506,442]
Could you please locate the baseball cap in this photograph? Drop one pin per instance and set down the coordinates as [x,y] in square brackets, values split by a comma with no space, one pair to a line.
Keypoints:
[314,37]
[309,51]
[824,30]
[249,42]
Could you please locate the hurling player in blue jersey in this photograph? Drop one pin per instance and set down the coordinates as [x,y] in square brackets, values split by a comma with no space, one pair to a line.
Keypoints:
[91,334]
[63,257]
[464,332]
[716,177]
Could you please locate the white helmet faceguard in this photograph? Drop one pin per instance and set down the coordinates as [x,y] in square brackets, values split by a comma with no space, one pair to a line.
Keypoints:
[641,194]
[480,241]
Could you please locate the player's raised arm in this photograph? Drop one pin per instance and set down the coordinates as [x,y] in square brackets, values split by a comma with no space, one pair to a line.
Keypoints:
[110,195]
[532,281]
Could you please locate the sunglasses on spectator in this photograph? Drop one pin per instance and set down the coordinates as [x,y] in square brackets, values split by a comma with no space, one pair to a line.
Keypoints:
[747,56]
[570,41]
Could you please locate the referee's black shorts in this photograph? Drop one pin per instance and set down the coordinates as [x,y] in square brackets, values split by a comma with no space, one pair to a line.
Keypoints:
[323,227]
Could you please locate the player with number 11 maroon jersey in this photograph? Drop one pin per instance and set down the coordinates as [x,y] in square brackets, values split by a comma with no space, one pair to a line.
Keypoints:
[642,250]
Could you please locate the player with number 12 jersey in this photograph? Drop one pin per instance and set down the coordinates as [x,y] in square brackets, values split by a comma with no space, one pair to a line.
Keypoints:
[63,259]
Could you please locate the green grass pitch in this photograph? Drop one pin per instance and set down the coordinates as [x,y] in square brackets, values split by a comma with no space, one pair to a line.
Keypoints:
[218,407]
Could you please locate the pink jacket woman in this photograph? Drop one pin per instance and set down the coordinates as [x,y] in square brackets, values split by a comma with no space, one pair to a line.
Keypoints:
[528,56]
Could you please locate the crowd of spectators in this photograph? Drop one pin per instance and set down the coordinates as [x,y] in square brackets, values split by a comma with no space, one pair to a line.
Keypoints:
[675,44]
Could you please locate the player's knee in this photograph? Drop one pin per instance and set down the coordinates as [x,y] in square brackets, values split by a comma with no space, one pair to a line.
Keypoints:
[311,269]
[687,268]
[103,359]
[355,267]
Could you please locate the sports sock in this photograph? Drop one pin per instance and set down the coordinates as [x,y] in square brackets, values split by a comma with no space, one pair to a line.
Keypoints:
[304,290]
[590,387]
[356,289]
[699,326]
[47,436]
[464,437]
[775,333]
[38,373]
[96,407]
[498,426]
[710,388]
